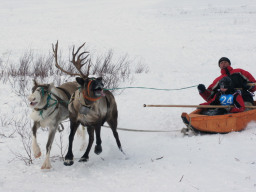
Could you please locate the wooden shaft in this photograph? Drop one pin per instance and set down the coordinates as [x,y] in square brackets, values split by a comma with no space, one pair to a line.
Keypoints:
[251,84]
[198,106]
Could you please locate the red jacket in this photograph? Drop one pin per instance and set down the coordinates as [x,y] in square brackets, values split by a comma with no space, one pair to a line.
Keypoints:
[238,102]
[238,76]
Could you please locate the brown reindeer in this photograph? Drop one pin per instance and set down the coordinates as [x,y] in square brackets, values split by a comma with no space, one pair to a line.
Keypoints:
[90,106]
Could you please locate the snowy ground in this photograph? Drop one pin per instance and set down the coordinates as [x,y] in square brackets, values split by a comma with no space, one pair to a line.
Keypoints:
[181,42]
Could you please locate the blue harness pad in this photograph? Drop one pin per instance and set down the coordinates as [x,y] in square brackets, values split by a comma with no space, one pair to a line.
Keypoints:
[226,99]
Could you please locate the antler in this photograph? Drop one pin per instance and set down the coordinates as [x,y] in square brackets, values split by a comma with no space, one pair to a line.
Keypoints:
[77,63]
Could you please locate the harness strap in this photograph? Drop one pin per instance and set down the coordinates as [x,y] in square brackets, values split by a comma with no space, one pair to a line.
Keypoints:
[89,98]
[44,108]
[65,91]
[57,104]
[47,105]
[88,93]
[84,103]
[72,99]
[60,101]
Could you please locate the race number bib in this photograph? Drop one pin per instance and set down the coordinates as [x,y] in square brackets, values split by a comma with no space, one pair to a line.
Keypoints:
[226,99]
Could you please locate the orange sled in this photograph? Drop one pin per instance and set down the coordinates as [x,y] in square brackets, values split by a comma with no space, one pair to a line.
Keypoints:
[218,123]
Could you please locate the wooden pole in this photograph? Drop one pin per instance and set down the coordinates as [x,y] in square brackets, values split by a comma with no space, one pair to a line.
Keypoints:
[198,106]
[251,84]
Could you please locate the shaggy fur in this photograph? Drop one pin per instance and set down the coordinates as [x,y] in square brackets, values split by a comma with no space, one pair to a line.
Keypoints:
[49,106]
[93,113]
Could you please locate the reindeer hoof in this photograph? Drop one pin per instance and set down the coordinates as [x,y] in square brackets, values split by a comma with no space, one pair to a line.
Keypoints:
[83,159]
[97,149]
[46,168]
[68,162]
[37,155]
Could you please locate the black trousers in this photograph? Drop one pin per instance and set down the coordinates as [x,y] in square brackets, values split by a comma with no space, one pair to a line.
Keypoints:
[218,111]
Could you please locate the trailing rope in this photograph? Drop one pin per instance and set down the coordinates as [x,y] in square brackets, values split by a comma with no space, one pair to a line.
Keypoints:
[152,88]
[140,130]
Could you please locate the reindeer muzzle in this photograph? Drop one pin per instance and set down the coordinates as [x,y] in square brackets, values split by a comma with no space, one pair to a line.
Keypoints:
[98,90]
[33,103]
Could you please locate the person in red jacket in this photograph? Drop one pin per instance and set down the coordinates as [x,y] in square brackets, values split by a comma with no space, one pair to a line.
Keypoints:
[239,77]
[226,95]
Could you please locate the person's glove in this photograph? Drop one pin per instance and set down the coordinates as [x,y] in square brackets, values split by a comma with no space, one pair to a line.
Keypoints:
[201,88]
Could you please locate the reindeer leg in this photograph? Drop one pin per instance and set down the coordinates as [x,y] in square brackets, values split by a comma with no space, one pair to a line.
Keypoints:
[52,131]
[81,132]
[69,156]
[98,148]
[83,138]
[113,125]
[85,157]
[35,146]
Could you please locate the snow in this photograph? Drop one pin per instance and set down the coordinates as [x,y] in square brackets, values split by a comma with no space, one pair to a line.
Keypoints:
[181,42]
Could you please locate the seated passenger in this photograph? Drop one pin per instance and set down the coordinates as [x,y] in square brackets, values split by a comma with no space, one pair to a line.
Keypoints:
[226,95]
[239,78]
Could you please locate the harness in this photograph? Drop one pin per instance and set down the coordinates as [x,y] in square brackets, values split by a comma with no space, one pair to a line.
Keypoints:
[88,93]
[85,107]
[58,101]
[48,105]
[65,91]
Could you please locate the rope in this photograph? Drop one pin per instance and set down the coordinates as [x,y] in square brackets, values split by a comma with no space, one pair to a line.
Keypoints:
[151,88]
[137,130]
[140,130]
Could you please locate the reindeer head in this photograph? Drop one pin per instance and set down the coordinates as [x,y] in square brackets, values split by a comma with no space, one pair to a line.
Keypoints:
[38,98]
[92,88]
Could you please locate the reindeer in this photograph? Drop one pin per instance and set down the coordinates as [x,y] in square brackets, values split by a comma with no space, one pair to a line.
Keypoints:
[90,106]
[50,108]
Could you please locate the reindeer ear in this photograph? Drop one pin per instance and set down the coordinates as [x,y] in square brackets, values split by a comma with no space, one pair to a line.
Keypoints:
[80,80]
[35,83]
[50,86]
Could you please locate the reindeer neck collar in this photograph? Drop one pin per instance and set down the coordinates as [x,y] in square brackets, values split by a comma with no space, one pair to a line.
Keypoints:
[86,94]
